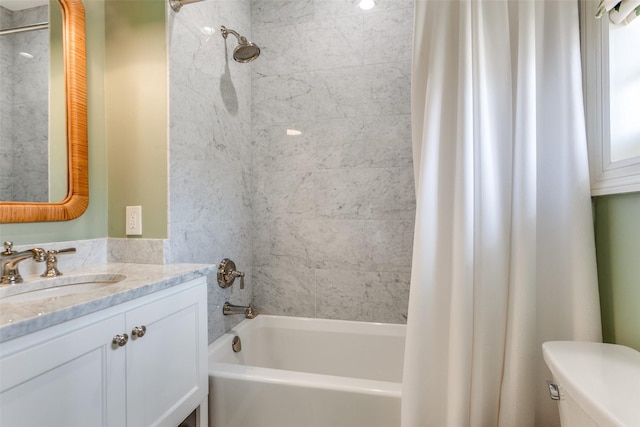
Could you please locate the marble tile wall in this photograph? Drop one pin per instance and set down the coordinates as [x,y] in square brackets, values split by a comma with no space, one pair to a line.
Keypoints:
[333,206]
[210,215]
[139,251]
[24,59]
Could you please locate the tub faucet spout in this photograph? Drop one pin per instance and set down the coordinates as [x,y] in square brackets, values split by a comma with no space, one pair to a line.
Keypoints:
[247,310]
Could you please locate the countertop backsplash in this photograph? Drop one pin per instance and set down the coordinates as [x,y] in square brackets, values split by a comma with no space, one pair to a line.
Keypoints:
[97,251]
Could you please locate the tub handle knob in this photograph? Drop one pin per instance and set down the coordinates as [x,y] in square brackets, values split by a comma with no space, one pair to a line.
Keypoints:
[227,274]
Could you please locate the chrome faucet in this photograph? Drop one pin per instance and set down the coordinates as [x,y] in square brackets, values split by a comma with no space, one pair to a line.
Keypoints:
[10,259]
[248,310]
[52,261]
[227,274]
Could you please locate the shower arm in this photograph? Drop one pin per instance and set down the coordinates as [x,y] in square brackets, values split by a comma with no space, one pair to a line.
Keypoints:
[226,31]
[177,4]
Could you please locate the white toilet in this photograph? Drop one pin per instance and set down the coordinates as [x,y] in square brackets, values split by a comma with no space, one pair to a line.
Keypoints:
[598,385]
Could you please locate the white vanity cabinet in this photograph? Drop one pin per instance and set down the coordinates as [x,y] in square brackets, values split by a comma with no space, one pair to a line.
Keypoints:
[73,379]
[167,366]
[73,374]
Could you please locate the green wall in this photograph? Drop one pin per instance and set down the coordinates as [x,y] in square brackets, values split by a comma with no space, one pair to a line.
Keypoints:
[136,107]
[618,246]
[93,223]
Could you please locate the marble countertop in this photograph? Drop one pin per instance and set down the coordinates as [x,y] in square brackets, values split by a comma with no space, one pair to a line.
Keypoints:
[20,318]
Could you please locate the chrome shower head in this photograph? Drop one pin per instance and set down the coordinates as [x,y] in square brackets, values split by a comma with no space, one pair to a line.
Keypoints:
[245,51]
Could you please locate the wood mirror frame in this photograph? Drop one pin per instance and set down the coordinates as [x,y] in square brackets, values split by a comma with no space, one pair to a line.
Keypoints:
[75,69]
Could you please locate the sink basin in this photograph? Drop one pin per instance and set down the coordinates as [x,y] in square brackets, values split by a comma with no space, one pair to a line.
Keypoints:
[52,289]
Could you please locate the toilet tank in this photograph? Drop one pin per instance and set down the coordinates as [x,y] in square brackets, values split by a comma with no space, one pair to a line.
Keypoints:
[599,383]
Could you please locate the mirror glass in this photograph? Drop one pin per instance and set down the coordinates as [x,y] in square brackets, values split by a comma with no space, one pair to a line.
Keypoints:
[32,146]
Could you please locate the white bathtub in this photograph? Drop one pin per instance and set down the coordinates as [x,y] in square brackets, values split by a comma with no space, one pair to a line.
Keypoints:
[298,372]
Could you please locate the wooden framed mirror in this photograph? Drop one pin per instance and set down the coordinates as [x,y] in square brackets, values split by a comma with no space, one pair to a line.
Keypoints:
[75,75]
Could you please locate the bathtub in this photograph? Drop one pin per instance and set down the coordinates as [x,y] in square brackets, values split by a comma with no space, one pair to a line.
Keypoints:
[299,372]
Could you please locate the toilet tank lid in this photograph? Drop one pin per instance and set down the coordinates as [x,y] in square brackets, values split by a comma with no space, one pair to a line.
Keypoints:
[604,379]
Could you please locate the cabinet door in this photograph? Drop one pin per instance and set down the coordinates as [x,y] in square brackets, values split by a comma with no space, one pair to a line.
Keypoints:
[73,380]
[167,366]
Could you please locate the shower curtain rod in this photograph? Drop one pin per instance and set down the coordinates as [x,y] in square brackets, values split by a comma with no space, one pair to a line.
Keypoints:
[33,27]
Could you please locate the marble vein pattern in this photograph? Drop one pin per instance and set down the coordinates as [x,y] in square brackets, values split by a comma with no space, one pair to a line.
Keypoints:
[381,296]
[88,252]
[333,197]
[99,251]
[139,251]
[210,176]
[336,198]
[18,319]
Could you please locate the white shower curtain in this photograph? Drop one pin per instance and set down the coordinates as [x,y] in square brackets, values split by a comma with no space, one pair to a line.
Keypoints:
[504,254]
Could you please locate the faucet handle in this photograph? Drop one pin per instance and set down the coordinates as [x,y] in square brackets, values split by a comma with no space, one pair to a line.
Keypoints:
[8,248]
[227,274]
[39,254]
[62,251]
[52,261]
[239,274]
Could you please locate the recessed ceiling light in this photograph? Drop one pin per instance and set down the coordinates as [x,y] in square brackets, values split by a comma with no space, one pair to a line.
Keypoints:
[293,132]
[26,55]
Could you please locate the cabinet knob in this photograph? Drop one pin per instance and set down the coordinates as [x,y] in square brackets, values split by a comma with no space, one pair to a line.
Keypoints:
[120,340]
[139,331]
